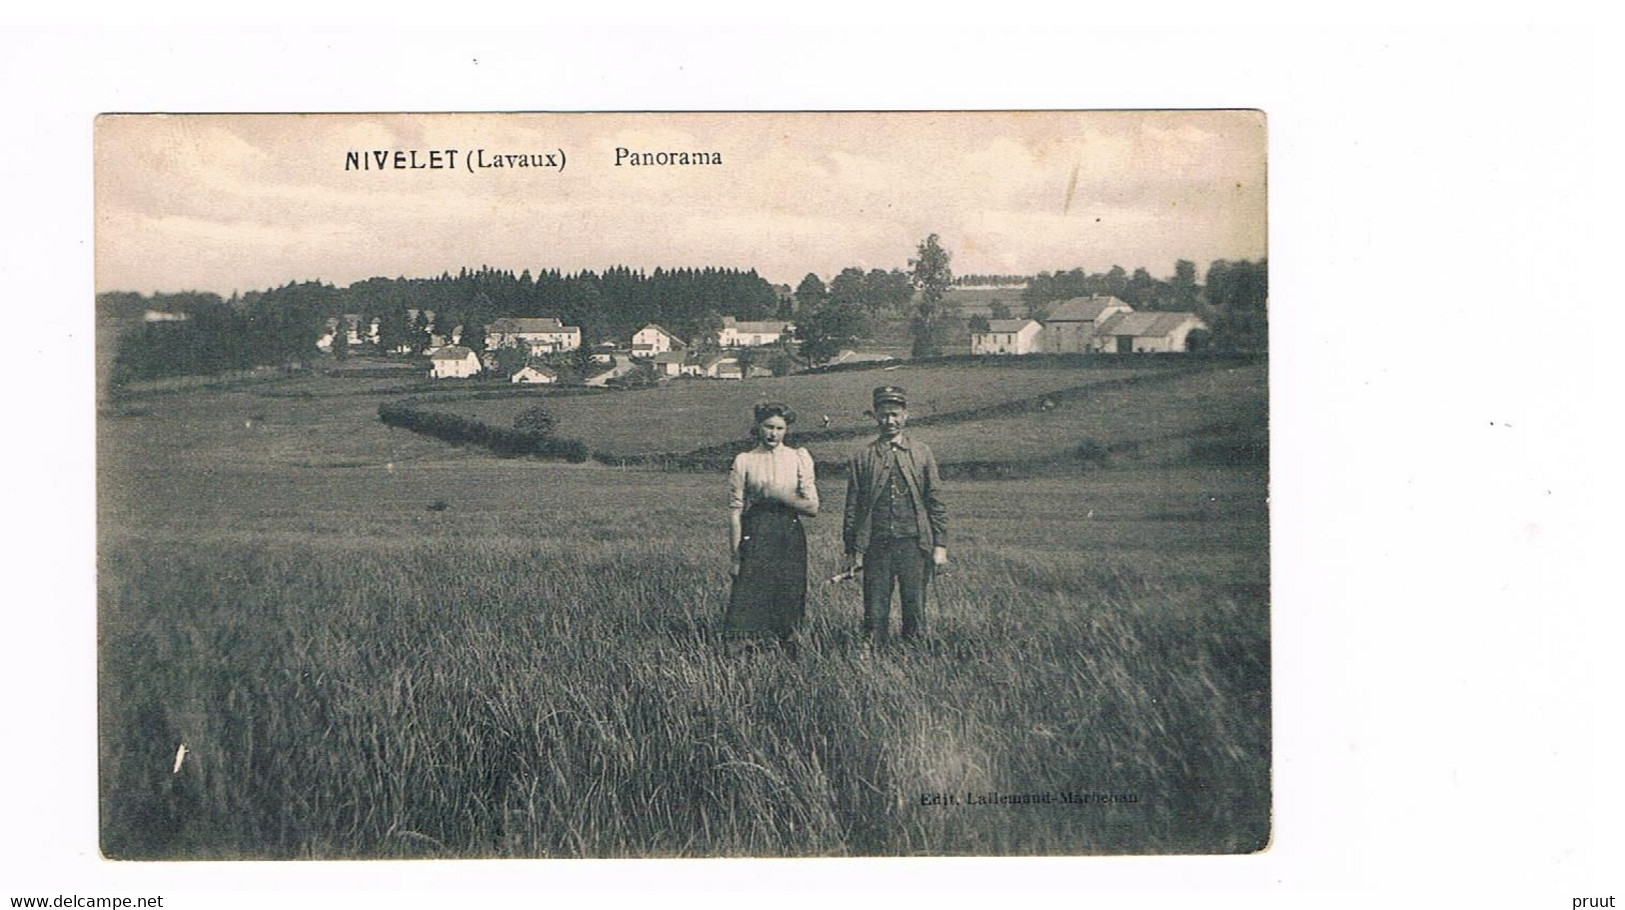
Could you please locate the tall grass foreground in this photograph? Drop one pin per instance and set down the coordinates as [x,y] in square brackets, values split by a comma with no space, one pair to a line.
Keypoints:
[487,698]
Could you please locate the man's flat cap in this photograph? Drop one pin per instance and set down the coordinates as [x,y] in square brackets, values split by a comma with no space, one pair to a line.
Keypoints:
[891,394]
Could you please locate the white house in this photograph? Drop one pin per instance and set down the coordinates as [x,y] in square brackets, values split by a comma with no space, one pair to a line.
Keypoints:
[1071,325]
[1143,333]
[535,374]
[751,334]
[543,335]
[669,363]
[1007,336]
[652,339]
[453,362]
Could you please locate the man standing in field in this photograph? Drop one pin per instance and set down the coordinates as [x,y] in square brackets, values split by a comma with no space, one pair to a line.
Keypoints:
[896,525]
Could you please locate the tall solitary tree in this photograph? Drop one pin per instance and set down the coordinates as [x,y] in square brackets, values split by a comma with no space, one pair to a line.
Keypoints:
[932,277]
[341,341]
[810,293]
[473,336]
[416,326]
[1185,288]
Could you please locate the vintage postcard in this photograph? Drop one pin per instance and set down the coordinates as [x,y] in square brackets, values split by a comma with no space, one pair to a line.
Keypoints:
[683,485]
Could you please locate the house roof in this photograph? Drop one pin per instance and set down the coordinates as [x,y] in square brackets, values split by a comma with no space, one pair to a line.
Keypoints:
[848,355]
[515,325]
[669,357]
[1083,309]
[1007,325]
[540,371]
[714,359]
[452,352]
[1144,325]
[658,328]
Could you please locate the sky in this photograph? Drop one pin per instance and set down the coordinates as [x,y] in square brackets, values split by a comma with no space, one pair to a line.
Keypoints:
[229,203]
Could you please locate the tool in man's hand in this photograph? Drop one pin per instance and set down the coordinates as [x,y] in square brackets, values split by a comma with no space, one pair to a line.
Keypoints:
[848,575]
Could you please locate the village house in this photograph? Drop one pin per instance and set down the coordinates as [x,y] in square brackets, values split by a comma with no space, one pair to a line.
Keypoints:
[669,363]
[736,334]
[543,335]
[719,366]
[1071,325]
[534,374]
[1146,333]
[453,361]
[1007,336]
[652,340]
[352,333]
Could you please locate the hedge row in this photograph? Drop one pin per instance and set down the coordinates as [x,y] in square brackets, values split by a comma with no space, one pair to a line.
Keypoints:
[501,440]
[1101,360]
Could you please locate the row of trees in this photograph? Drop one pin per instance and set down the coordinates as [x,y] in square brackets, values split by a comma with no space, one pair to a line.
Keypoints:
[991,281]
[608,305]
[1139,290]
[215,335]
[282,324]
[855,300]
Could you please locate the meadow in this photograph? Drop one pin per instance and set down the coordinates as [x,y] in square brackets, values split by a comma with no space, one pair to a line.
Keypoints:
[373,644]
[684,415]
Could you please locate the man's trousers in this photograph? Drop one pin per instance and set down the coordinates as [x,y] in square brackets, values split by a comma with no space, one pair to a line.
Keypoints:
[894,562]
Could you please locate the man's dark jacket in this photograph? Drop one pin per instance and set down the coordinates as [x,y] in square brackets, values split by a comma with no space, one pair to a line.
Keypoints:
[867,472]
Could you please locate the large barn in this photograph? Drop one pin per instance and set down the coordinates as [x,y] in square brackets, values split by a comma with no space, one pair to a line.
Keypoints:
[1146,333]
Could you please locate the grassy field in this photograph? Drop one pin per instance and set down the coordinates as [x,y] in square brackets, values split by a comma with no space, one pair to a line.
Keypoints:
[376,645]
[684,415]
[1154,420]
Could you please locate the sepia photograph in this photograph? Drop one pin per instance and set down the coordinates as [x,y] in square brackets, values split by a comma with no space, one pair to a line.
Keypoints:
[634,485]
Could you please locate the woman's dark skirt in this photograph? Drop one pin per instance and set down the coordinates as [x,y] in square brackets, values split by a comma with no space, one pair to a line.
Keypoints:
[770,593]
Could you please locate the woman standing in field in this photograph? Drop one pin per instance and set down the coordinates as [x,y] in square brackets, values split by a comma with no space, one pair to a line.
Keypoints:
[770,489]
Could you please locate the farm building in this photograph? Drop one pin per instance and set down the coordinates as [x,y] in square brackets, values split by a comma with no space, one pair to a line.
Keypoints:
[535,374]
[736,334]
[453,362]
[669,363]
[720,366]
[543,335]
[652,339]
[1007,336]
[1071,325]
[1144,333]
